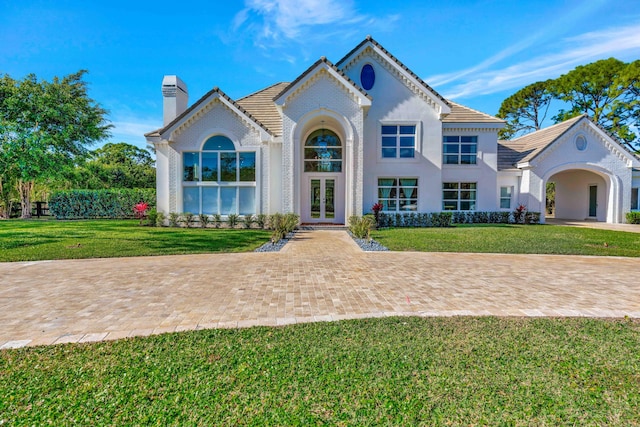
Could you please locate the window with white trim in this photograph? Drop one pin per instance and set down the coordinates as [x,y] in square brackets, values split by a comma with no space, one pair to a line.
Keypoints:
[459,150]
[635,203]
[398,141]
[398,194]
[459,196]
[219,179]
[505,197]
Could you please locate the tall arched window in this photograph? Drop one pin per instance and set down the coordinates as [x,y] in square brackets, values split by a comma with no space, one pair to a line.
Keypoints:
[218,179]
[323,152]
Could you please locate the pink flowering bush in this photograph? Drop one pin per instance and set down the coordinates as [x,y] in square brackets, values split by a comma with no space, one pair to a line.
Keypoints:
[140,210]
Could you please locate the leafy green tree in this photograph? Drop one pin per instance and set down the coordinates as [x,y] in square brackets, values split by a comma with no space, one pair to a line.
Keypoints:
[115,165]
[598,90]
[608,91]
[44,127]
[525,110]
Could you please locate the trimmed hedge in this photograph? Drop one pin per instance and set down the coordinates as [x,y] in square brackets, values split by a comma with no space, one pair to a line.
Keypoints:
[633,217]
[413,219]
[114,203]
[447,219]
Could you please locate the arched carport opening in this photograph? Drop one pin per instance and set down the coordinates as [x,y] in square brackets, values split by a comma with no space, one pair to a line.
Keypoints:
[582,193]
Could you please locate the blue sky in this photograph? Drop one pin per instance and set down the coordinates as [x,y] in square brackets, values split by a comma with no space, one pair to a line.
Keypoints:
[476,53]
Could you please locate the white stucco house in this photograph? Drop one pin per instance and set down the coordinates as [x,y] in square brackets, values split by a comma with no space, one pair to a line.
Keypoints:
[367,130]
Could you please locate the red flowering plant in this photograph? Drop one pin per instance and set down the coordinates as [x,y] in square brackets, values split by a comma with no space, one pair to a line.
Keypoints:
[140,211]
[519,214]
[376,208]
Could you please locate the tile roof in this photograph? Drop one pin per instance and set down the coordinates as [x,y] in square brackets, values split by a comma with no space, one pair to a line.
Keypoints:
[527,147]
[461,114]
[261,106]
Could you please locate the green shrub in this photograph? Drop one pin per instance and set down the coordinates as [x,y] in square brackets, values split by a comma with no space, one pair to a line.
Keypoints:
[152,218]
[204,220]
[160,219]
[114,203]
[248,220]
[633,217]
[282,225]
[187,219]
[361,227]
[174,218]
[412,219]
[261,220]
[232,220]
[217,220]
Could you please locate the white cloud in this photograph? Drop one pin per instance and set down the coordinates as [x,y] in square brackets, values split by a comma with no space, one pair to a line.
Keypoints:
[277,19]
[578,50]
[132,129]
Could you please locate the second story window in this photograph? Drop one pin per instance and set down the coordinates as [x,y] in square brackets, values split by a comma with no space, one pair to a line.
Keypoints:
[459,150]
[398,141]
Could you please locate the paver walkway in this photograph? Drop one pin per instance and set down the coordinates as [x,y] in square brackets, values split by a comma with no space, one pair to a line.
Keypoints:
[319,276]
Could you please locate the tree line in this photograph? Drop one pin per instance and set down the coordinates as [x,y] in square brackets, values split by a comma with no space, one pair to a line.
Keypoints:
[46,129]
[608,91]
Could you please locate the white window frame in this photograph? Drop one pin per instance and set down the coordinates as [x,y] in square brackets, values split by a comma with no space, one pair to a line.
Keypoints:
[458,199]
[398,190]
[416,142]
[510,198]
[637,197]
[237,184]
[447,140]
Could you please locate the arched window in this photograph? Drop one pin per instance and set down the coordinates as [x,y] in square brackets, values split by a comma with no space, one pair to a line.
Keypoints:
[219,179]
[323,152]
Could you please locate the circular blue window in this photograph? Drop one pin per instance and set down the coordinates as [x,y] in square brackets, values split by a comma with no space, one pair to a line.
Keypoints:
[367,77]
[581,143]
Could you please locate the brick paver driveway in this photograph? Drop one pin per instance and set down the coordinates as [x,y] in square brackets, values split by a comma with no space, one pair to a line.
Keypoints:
[321,275]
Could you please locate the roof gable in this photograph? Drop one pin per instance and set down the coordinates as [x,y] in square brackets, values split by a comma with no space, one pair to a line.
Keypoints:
[371,47]
[204,104]
[536,145]
[323,65]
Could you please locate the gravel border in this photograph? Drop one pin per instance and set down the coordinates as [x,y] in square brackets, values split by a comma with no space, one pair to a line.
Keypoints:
[275,247]
[368,245]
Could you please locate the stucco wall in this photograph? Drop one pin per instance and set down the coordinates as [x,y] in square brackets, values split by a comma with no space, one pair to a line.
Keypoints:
[601,157]
[395,103]
[572,195]
[484,173]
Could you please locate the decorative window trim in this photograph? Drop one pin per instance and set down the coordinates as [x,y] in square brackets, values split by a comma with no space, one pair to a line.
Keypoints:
[454,196]
[581,142]
[397,146]
[395,197]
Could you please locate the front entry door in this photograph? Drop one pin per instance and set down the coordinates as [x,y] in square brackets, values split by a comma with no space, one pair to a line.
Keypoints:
[593,200]
[322,194]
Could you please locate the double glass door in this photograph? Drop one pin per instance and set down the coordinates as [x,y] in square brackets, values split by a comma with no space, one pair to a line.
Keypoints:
[322,193]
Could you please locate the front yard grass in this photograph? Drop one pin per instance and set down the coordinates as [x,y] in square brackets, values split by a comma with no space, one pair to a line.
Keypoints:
[47,240]
[512,239]
[391,371]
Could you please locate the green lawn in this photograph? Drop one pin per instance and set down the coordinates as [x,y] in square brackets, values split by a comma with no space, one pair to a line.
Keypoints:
[393,371]
[40,240]
[513,239]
